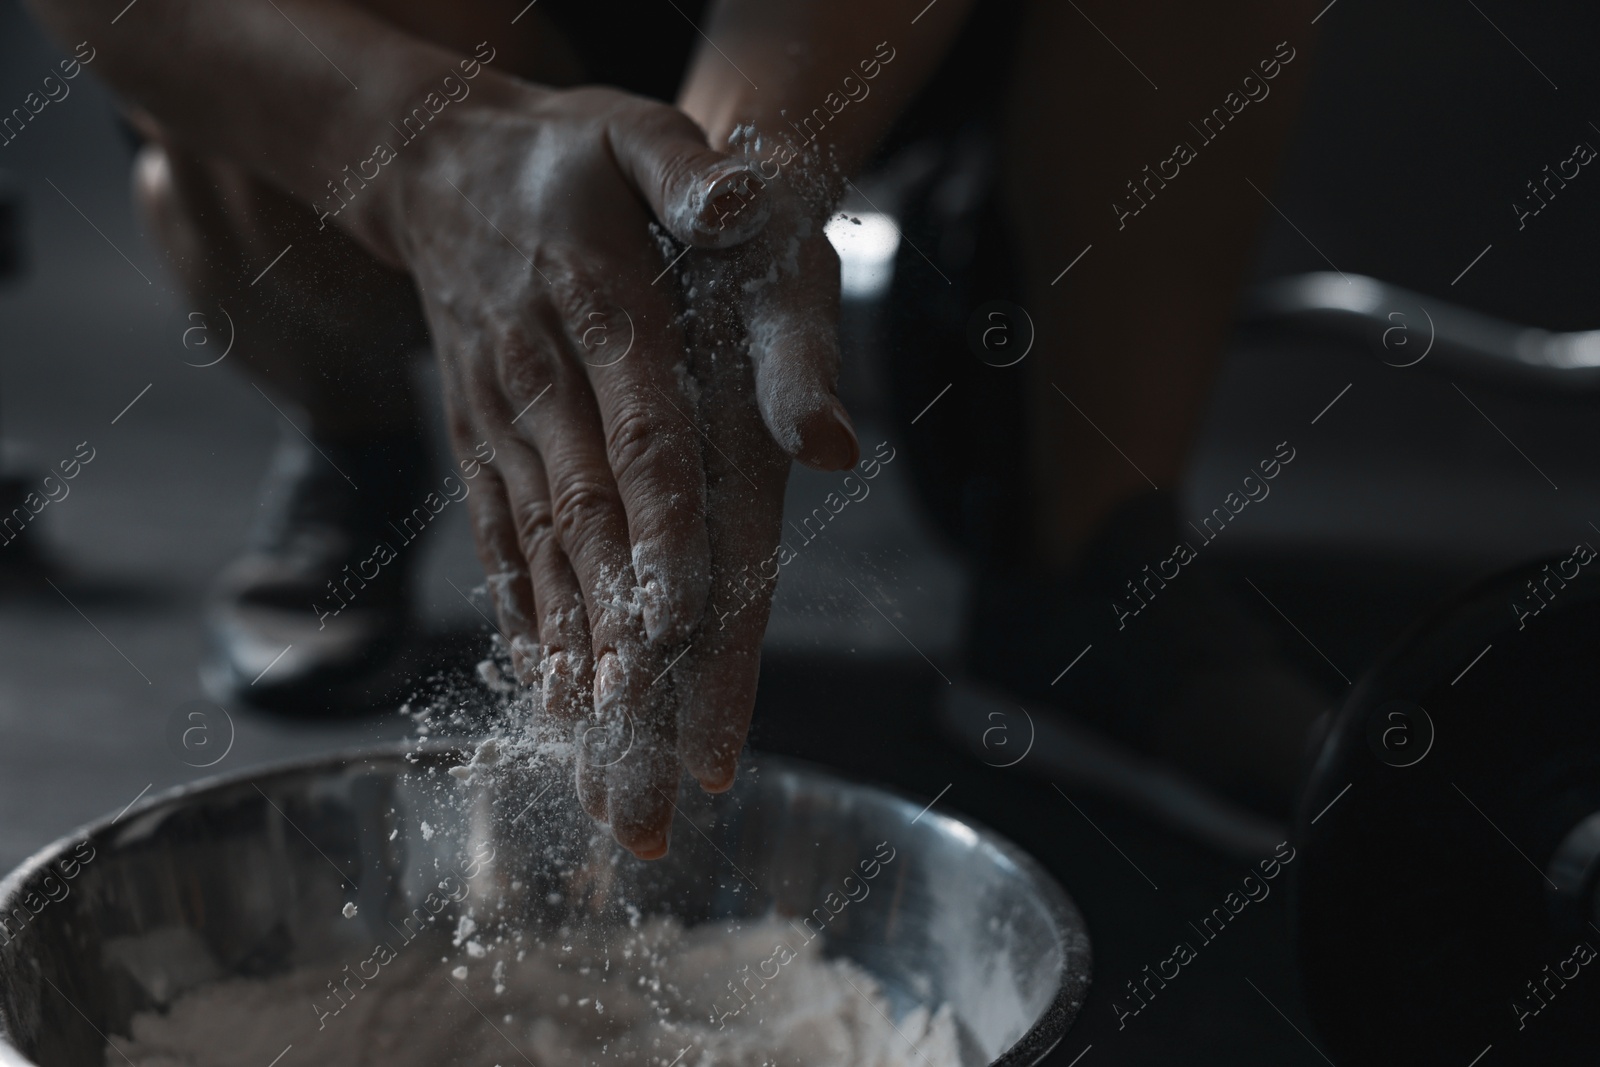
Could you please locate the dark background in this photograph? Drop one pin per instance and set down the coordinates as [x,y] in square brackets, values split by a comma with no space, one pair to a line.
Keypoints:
[1423,124]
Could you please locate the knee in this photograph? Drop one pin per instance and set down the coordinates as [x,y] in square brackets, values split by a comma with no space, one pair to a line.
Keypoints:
[153,190]
[193,204]
[167,203]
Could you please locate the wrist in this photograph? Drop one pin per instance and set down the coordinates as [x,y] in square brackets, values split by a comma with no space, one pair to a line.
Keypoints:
[375,193]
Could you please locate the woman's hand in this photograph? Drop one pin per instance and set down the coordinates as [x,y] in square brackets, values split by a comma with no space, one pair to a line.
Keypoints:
[609,511]
[763,332]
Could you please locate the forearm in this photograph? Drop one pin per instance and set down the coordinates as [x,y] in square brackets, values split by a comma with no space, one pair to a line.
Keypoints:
[296,91]
[857,65]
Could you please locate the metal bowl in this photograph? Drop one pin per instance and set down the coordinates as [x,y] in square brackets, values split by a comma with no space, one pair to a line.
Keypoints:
[248,875]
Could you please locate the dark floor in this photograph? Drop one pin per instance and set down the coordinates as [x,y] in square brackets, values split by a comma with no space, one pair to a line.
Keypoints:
[1400,492]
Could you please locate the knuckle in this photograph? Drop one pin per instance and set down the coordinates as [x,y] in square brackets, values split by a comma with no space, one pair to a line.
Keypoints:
[565,627]
[656,124]
[524,369]
[633,439]
[677,171]
[666,121]
[580,510]
[598,326]
[576,294]
[661,142]
[535,525]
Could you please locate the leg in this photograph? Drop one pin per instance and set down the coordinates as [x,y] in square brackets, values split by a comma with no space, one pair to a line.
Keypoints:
[328,327]
[1134,333]
[321,598]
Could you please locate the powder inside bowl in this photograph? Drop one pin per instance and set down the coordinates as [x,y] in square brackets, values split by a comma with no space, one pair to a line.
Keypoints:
[647,995]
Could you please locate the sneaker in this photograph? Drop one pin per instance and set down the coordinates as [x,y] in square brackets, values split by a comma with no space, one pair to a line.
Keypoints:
[309,621]
[1184,709]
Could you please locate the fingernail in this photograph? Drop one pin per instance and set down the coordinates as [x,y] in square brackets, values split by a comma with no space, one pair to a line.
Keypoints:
[828,441]
[719,784]
[727,207]
[524,660]
[592,792]
[651,848]
[555,675]
[733,206]
[607,679]
[656,609]
[672,586]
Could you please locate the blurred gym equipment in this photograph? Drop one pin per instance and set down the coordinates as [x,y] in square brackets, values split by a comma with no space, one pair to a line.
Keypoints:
[1449,890]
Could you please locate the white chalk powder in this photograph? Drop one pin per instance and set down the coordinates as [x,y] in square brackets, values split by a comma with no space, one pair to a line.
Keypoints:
[481,991]
[651,995]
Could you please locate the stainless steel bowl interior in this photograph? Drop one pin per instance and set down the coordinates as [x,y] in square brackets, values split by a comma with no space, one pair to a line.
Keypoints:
[247,876]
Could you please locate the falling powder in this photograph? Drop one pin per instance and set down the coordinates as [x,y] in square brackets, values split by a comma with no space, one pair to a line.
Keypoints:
[600,992]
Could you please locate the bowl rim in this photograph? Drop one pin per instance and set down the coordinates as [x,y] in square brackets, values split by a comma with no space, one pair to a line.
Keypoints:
[1043,1035]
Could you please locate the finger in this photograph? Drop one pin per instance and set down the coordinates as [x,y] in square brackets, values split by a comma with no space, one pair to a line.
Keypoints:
[589,524]
[642,783]
[633,353]
[792,323]
[567,663]
[493,528]
[593,745]
[704,198]
[715,682]
[494,533]
[587,516]
[569,644]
